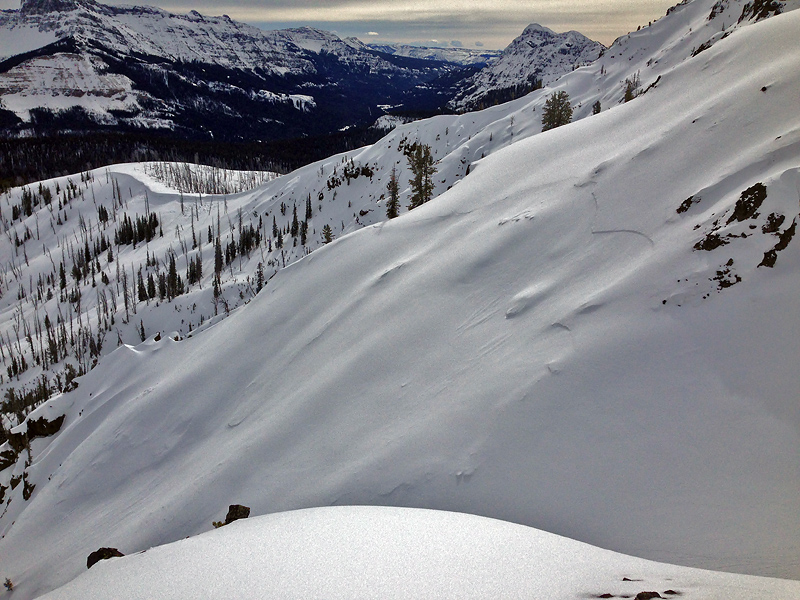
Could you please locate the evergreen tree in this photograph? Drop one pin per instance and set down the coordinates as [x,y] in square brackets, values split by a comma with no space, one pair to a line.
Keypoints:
[274,228]
[631,88]
[393,187]
[557,111]
[141,286]
[327,234]
[217,258]
[259,277]
[421,163]
[596,108]
[309,211]
[295,222]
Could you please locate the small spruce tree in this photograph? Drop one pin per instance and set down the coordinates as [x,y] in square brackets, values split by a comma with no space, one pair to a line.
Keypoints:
[393,187]
[557,111]
[421,163]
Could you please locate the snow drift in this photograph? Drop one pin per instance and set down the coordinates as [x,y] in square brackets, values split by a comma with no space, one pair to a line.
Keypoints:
[368,552]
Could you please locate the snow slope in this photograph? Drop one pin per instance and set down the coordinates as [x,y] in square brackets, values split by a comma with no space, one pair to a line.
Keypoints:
[540,344]
[367,552]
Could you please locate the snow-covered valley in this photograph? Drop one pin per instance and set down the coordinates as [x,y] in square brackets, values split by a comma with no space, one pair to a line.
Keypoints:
[592,331]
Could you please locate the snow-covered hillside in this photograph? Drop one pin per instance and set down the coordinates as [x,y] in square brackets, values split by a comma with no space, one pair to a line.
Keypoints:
[368,552]
[577,336]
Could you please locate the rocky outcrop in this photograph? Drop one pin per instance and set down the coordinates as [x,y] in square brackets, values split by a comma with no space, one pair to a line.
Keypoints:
[236,512]
[102,554]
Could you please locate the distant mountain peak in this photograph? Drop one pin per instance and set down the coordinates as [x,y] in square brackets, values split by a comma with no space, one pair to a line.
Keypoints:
[536,28]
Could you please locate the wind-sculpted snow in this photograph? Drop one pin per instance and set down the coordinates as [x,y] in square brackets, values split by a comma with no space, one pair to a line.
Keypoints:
[367,552]
[541,343]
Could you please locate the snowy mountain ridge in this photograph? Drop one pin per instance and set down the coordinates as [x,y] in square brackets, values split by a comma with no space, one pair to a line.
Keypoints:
[137,68]
[532,345]
[537,55]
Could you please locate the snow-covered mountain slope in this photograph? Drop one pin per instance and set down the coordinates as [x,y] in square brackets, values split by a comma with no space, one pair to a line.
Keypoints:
[145,30]
[347,192]
[577,336]
[538,55]
[142,67]
[369,552]
[461,56]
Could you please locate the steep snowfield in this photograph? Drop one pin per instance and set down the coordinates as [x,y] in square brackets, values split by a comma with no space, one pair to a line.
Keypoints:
[368,552]
[540,344]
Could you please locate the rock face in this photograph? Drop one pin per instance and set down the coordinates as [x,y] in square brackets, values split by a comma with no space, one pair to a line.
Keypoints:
[236,512]
[102,554]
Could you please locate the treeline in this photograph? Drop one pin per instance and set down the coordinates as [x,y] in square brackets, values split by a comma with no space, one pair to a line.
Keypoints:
[503,95]
[27,160]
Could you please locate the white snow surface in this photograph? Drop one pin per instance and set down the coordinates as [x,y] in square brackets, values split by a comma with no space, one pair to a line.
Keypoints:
[539,344]
[370,552]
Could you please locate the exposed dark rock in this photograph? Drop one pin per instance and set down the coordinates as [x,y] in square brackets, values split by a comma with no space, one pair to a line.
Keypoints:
[35,429]
[647,595]
[773,224]
[760,9]
[748,203]
[15,481]
[16,441]
[7,458]
[710,242]
[725,278]
[686,204]
[771,256]
[672,593]
[27,489]
[2,493]
[606,596]
[769,260]
[786,237]
[43,428]
[102,554]
[236,512]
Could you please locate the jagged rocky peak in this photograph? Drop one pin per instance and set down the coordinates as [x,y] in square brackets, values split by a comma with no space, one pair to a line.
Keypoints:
[41,7]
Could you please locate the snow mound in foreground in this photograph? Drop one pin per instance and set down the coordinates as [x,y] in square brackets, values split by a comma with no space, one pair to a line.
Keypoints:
[370,552]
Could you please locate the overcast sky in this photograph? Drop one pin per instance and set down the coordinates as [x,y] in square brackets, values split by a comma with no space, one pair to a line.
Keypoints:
[471,23]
